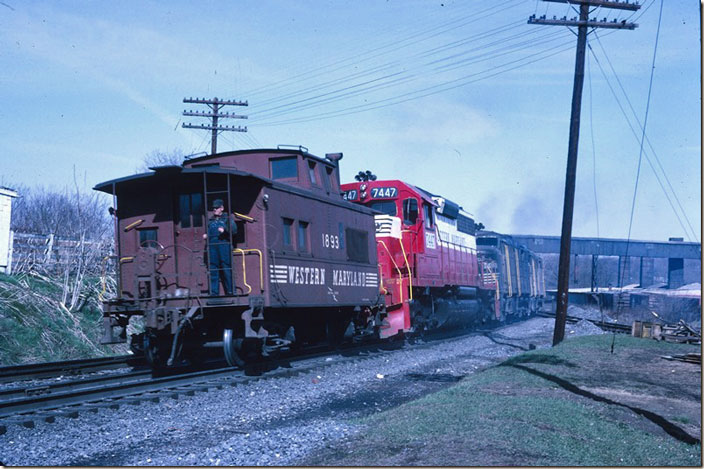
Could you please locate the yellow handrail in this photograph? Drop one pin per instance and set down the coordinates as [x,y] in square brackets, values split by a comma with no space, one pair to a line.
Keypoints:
[518,271]
[508,271]
[400,286]
[244,270]
[408,267]
[133,225]
[381,279]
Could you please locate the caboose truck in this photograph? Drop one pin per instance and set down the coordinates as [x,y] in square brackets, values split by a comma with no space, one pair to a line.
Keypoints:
[433,273]
[304,259]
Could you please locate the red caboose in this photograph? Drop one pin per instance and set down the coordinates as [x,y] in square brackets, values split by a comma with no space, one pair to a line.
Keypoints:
[427,250]
[302,264]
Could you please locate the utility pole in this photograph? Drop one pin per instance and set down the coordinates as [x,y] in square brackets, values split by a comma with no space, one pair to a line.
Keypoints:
[214,114]
[563,273]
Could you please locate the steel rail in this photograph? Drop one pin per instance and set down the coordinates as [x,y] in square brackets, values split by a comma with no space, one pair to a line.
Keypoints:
[67,367]
[607,326]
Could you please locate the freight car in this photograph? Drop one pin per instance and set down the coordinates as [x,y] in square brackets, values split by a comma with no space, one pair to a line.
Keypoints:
[302,265]
[437,269]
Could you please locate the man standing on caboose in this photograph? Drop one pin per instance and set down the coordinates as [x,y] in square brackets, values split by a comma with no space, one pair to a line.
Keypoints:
[221,229]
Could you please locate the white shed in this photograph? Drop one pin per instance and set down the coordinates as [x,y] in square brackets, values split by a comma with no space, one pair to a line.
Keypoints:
[6,236]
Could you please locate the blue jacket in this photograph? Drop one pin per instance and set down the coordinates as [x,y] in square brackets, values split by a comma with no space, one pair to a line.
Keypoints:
[214,235]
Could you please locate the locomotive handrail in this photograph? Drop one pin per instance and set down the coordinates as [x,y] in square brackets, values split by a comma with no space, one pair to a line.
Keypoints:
[400,276]
[408,267]
[244,267]
[381,278]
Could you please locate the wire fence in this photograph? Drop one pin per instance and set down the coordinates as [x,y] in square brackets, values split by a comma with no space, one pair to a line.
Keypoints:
[54,255]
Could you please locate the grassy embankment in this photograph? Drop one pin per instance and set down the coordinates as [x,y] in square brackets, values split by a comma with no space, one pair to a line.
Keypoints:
[35,327]
[575,404]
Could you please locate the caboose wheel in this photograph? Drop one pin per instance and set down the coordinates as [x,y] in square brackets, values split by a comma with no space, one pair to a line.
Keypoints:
[232,346]
[156,350]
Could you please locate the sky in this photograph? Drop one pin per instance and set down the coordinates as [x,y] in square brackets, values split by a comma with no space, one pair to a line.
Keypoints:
[462,98]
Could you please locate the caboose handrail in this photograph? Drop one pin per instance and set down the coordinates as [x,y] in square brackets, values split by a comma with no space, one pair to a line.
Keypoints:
[244,267]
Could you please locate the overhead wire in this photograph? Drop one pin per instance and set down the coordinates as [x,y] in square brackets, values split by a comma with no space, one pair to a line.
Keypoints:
[650,145]
[481,57]
[387,48]
[428,91]
[591,132]
[645,122]
[335,81]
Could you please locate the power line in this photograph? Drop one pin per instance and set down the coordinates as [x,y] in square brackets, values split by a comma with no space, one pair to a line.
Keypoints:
[642,140]
[657,159]
[635,135]
[428,91]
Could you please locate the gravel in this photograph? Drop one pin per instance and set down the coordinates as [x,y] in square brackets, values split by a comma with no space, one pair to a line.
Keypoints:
[275,421]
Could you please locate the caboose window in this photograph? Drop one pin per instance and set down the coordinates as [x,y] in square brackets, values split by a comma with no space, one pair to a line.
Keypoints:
[357,245]
[288,236]
[147,237]
[326,179]
[190,209]
[410,211]
[284,168]
[311,173]
[388,207]
[302,236]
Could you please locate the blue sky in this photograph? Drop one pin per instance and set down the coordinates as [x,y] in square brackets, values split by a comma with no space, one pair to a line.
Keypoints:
[464,99]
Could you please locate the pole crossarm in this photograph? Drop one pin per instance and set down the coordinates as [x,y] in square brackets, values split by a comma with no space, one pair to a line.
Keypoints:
[223,102]
[214,115]
[214,127]
[614,24]
[602,3]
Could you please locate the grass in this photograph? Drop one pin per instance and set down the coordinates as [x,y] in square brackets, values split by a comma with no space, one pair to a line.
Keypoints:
[35,328]
[537,409]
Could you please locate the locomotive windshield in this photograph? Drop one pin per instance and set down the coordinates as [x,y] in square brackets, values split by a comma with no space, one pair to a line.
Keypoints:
[388,207]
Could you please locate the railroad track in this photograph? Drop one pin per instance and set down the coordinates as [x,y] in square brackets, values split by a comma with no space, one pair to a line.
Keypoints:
[607,326]
[45,402]
[30,404]
[65,368]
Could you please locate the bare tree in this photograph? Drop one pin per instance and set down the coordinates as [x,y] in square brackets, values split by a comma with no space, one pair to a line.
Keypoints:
[61,212]
[162,158]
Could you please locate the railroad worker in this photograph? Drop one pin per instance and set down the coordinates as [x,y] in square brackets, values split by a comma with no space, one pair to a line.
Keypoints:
[221,228]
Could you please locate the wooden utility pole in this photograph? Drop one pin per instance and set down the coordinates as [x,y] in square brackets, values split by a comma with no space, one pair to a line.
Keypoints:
[214,114]
[563,273]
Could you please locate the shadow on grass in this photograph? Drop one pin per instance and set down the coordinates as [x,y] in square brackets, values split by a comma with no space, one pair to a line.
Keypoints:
[537,358]
[671,429]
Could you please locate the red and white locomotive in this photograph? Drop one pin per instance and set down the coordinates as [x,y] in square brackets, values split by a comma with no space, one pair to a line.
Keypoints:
[437,268]
[310,260]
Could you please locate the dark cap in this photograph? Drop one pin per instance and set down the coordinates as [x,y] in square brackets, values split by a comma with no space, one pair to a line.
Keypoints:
[217,203]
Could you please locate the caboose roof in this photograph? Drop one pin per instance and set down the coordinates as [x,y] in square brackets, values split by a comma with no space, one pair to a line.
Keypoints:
[162,171]
[282,151]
